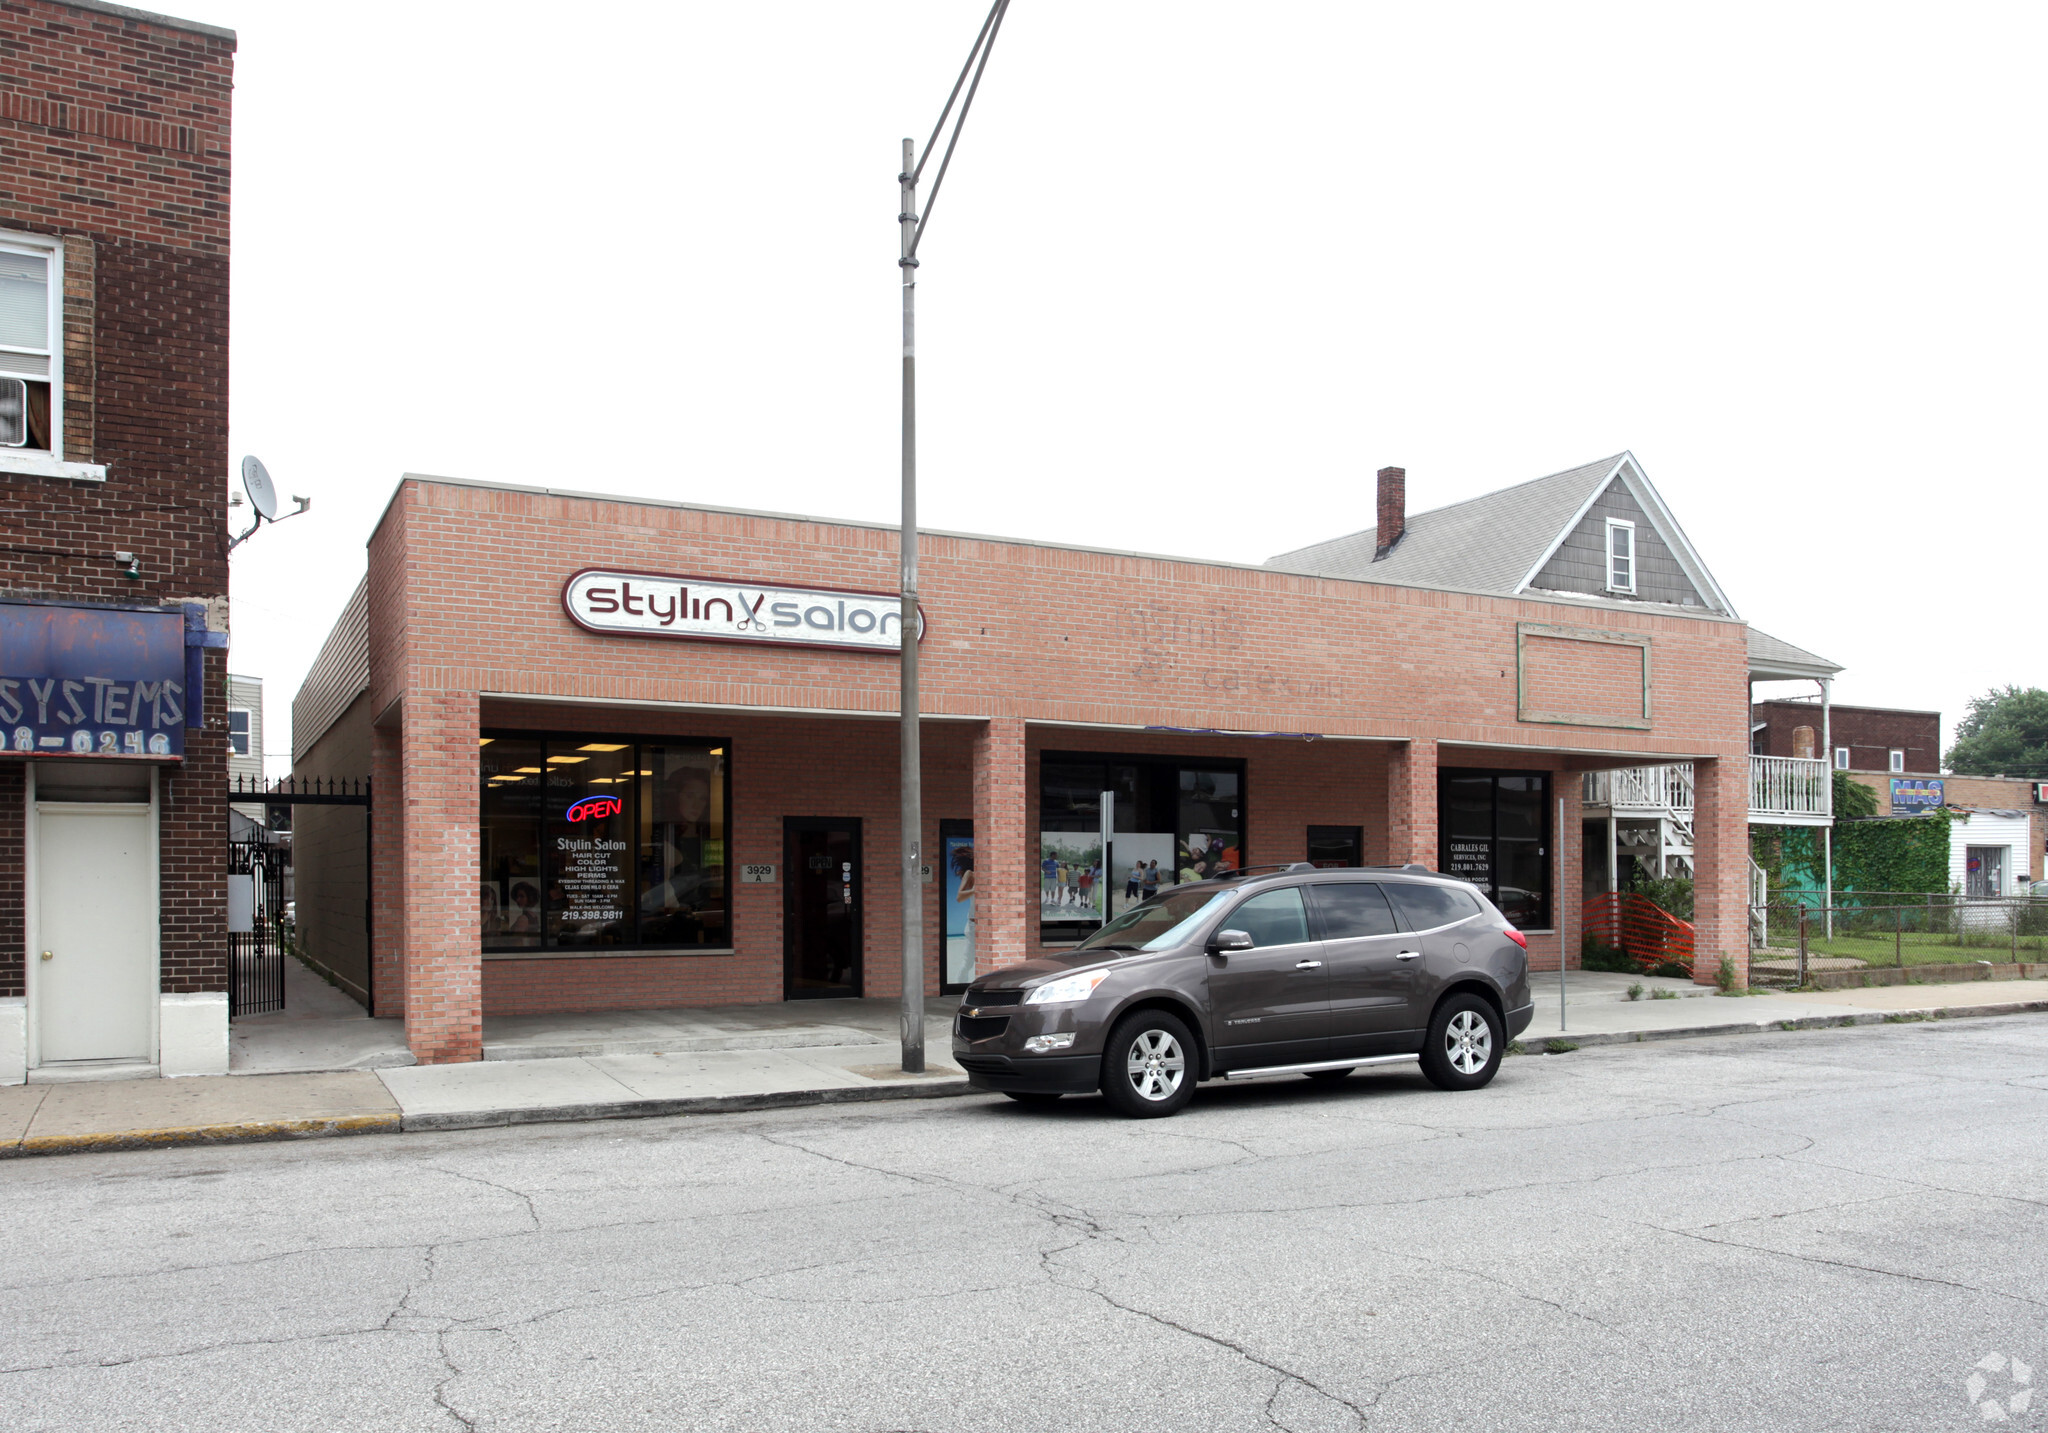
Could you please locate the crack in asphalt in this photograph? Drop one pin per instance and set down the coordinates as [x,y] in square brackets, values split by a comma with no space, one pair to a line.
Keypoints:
[1070,1229]
[1825,1262]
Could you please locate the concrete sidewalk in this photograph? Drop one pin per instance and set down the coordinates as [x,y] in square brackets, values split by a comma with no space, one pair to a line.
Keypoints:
[753,1057]
[1597,1010]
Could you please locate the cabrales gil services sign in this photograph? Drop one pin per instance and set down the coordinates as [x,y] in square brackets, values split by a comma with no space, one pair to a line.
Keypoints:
[650,604]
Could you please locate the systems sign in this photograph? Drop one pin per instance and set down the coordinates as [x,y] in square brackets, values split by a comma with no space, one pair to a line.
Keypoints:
[1914,797]
[79,681]
[644,604]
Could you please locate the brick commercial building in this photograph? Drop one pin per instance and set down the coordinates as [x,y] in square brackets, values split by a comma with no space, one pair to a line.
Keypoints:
[1849,738]
[578,811]
[114,156]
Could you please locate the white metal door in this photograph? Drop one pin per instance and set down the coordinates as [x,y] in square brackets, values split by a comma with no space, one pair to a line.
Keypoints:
[96,920]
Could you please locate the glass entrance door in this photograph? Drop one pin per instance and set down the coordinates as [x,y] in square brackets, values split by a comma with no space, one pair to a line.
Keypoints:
[821,918]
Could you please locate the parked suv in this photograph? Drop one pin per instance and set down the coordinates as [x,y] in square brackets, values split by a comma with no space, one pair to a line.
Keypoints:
[1275,970]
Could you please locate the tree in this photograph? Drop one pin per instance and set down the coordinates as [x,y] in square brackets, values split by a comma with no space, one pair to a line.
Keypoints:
[2004,734]
[1852,797]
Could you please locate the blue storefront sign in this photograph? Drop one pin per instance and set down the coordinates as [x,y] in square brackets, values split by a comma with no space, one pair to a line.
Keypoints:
[84,681]
[1913,797]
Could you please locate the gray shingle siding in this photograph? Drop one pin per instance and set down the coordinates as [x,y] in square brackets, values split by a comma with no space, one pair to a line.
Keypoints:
[1580,562]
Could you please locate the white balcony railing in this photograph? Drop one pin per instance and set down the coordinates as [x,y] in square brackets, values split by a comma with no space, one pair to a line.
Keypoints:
[1790,786]
[1785,788]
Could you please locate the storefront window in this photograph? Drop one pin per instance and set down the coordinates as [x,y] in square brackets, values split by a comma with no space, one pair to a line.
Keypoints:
[682,846]
[592,842]
[509,839]
[1495,834]
[1175,820]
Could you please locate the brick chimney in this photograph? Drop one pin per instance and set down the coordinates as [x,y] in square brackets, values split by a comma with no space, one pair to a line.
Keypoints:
[1393,510]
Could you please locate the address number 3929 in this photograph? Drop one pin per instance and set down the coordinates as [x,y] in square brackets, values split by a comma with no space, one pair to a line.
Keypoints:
[758,875]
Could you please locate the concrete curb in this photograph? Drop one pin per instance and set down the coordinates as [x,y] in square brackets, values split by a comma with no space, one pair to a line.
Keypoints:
[1806,1022]
[686,1105]
[241,1132]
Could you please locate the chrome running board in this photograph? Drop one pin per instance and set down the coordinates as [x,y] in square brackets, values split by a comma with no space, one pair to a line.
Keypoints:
[1322,1065]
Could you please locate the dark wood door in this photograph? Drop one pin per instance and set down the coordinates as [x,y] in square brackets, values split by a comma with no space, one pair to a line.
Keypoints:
[822,905]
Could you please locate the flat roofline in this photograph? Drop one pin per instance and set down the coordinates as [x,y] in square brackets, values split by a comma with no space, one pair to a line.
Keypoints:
[1660,609]
[148,17]
[1814,702]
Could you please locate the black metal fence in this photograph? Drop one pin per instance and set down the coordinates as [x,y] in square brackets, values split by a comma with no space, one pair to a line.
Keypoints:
[258,869]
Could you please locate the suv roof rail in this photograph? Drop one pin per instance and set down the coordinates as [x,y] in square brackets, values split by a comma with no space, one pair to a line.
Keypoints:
[1412,868]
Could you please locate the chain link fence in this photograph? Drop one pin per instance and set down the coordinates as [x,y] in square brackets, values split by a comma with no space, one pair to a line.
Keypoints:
[1909,929]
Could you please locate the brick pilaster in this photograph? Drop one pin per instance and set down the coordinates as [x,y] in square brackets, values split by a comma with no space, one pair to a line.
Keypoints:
[443,946]
[1005,866]
[1720,860]
[1411,803]
[387,874]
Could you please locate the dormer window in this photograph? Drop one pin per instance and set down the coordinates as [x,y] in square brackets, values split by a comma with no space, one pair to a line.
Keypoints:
[1621,556]
[31,393]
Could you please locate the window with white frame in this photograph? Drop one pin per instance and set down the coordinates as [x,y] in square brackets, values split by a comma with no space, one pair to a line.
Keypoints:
[1841,758]
[31,344]
[1621,555]
[1898,760]
[238,731]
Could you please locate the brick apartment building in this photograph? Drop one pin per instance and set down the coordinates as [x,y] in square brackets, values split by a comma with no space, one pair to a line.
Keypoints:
[1858,738]
[575,811]
[114,168]
[1896,752]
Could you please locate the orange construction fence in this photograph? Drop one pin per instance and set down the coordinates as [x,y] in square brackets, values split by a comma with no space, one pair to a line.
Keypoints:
[1638,926]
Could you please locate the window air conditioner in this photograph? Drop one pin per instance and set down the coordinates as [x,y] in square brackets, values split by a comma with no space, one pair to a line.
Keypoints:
[13,413]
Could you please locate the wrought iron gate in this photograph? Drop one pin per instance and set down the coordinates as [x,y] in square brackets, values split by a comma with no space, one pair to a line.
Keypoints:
[256,957]
[257,872]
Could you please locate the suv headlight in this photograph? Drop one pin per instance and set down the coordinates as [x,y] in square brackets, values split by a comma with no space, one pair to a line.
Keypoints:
[1067,990]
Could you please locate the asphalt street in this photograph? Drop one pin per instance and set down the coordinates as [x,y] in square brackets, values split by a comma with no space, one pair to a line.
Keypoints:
[1815,1230]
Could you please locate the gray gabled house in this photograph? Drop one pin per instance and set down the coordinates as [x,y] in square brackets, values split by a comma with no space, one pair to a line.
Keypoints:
[1600,534]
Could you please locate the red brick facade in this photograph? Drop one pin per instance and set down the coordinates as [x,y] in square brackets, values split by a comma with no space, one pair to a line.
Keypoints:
[114,138]
[467,632]
[1872,734]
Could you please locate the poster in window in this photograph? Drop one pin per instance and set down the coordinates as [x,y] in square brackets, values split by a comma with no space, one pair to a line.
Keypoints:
[1206,854]
[1070,876]
[1141,865]
[958,855]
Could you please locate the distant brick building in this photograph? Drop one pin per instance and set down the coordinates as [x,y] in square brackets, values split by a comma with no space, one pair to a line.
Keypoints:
[114,184]
[575,811]
[1883,739]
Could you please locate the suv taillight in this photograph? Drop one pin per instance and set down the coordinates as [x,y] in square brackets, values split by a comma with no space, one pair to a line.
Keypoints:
[1516,936]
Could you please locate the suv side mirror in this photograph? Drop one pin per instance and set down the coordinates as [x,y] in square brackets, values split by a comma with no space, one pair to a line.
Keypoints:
[1226,941]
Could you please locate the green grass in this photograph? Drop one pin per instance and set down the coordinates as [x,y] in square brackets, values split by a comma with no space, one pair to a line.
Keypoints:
[1920,949]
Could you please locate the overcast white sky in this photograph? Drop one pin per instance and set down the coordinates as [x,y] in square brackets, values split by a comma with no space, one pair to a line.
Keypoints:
[1198,271]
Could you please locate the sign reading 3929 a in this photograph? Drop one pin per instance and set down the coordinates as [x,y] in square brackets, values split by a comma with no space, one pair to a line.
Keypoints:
[716,609]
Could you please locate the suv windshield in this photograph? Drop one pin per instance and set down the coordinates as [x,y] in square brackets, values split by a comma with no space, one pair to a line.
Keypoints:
[1162,921]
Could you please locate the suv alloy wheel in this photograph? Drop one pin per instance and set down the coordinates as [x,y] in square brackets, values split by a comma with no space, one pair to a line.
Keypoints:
[1464,1045]
[1149,1066]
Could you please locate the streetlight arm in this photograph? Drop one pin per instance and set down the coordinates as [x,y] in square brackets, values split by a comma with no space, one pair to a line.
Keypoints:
[986,44]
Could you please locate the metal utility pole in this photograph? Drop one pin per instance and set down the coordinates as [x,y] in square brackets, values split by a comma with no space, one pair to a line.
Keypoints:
[911,228]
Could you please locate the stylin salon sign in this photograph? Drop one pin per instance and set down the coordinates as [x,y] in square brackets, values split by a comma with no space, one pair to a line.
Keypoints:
[648,604]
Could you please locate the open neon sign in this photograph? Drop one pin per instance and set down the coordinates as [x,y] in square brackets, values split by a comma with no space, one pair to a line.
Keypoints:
[593,808]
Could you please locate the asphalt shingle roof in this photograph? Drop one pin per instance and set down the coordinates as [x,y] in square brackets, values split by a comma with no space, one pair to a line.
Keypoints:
[1485,544]
[1770,654]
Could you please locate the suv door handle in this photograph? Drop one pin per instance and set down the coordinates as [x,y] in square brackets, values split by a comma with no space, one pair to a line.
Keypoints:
[1307,964]
[1409,955]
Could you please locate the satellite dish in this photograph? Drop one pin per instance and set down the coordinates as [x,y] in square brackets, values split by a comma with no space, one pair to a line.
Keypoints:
[262,492]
